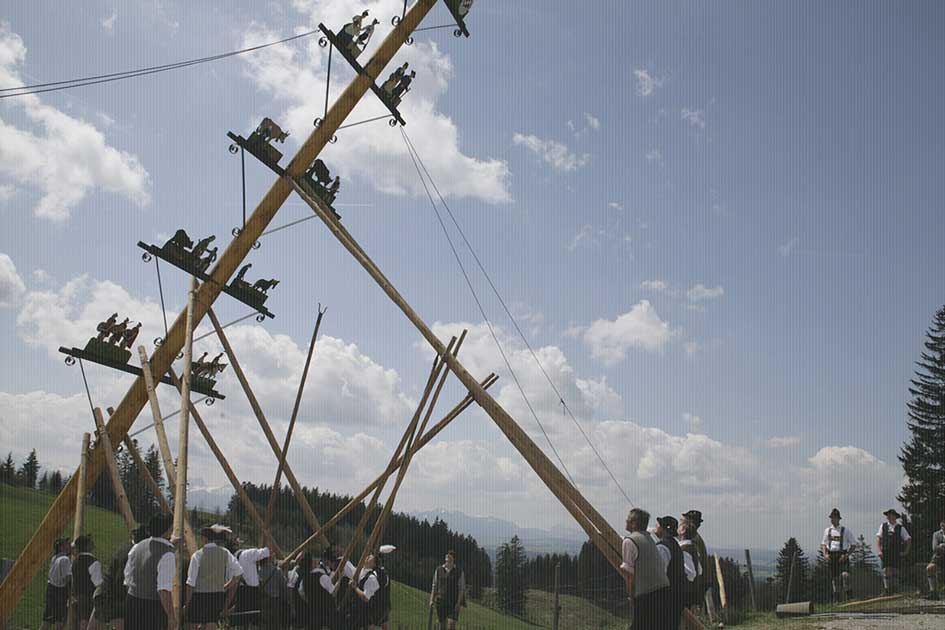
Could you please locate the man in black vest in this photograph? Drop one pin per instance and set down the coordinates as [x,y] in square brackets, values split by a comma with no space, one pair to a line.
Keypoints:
[57,586]
[894,543]
[449,591]
[86,577]
[149,577]
[666,532]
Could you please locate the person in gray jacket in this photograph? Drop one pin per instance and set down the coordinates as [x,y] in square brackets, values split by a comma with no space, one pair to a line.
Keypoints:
[211,579]
[149,578]
[644,571]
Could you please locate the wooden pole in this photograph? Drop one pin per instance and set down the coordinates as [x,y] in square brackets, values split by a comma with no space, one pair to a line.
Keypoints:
[146,475]
[120,497]
[405,440]
[276,485]
[307,512]
[78,523]
[790,582]
[225,465]
[600,532]
[163,445]
[423,441]
[723,597]
[557,611]
[183,443]
[35,552]
[751,580]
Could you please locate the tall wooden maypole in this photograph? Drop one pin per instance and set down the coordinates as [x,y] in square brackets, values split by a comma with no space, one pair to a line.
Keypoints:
[56,519]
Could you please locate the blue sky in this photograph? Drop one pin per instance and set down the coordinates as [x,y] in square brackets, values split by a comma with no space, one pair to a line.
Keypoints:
[720,225]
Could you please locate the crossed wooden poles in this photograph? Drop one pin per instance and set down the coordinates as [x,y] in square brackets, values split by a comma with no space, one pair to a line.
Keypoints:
[62,509]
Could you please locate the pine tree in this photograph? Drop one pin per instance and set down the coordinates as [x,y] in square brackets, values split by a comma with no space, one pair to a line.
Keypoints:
[862,559]
[799,585]
[923,456]
[510,581]
[29,471]
[8,470]
[56,482]
[43,483]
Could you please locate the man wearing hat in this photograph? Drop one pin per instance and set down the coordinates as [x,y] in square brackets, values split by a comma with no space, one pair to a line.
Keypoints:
[211,578]
[937,561]
[666,531]
[57,586]
[836,546]
[86,577]
[893,542]
[644,572]
[248,599]
[449,591]
[693,521]
[149,577]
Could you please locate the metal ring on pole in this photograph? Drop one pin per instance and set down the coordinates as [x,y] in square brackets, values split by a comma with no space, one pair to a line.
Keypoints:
[234,149]
[322,41]
[260,318]
[395,20]
[235,231]
[70,360]
[209,400]
[158,341]
[392,122]
[409,41]
[146,257]
[457,33]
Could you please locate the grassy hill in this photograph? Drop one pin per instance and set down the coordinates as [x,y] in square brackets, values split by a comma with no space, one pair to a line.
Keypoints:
[22,510]
[577,613]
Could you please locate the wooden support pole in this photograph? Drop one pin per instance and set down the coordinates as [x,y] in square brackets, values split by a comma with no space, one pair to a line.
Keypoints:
[556,613]
[600,532]
[307,512]
[225,465]
[277,484]
[183,455]
[36,551]
[790,582]
[751,580]
[146,475]
[78,523]
[723,596]
[423,441]
[120,497]
[406,440]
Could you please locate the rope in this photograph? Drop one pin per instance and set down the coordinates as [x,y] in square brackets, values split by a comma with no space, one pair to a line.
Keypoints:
[482,311]
[157,267]
[515,323]
[39,88]
[87,392]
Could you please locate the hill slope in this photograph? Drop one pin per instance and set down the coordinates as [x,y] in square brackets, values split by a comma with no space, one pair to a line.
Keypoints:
[21,511]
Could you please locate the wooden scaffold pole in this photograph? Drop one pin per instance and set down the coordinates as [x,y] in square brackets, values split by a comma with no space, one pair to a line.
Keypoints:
[120,497]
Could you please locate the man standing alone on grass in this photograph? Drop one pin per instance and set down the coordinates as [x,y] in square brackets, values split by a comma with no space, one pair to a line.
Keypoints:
[645,574]
[836,546]
[894,543]
[449,591]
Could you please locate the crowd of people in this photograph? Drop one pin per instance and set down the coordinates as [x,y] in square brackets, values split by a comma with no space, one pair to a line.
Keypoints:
[225,580]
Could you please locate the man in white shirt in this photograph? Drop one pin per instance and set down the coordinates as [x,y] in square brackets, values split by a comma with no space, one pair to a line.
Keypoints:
[211,579]
[372,611]
[248,601]
[835,547]
[936,563]
[57,586]
[149,578]
[645,574]
[894,543]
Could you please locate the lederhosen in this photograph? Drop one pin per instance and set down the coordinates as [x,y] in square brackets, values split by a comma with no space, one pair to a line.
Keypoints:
[381,600]
[447,593]
[836,562]
[891,544]
[692,594]
[209,596]
[320,609]
[82,585]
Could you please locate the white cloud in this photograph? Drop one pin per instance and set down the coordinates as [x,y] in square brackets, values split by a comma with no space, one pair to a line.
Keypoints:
[109,23]
[646,83]
[639,328]
[7,191]
[616,205]
[11,285]
[695,117]
[782,441]
[654,155]
[294,76]
[68,158]
[558,155]
[592,121]
[702,293]
[695,423]
[786,249]
[41,276]
[657,286]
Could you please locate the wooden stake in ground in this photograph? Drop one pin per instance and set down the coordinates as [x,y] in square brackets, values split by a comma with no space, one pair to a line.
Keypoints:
[276,485]
[180,495]
[120,497]
[751,580]
[723,597]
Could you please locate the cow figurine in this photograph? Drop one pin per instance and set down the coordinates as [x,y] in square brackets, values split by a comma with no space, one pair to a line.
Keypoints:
[269,131]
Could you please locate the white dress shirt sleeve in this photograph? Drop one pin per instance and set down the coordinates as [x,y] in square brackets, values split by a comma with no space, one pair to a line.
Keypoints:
[165,571]
[848,540]
[349,570]
[194,568]
[129,565]
[689,566]
[826,541]
[325,581]
[371,586]
[95,573]
[233,567]
[629,553]
[665,556]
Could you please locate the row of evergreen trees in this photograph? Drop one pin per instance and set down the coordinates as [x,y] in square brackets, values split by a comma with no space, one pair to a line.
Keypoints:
[27,474]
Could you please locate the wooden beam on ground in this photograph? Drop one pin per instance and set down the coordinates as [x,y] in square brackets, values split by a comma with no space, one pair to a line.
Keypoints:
[874,600]
[307,512]
[57,517]
[406,440]
[120,497]
[225,465]
[600,532]
[423,441]
[183,455]
[170,469]
[277,484]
